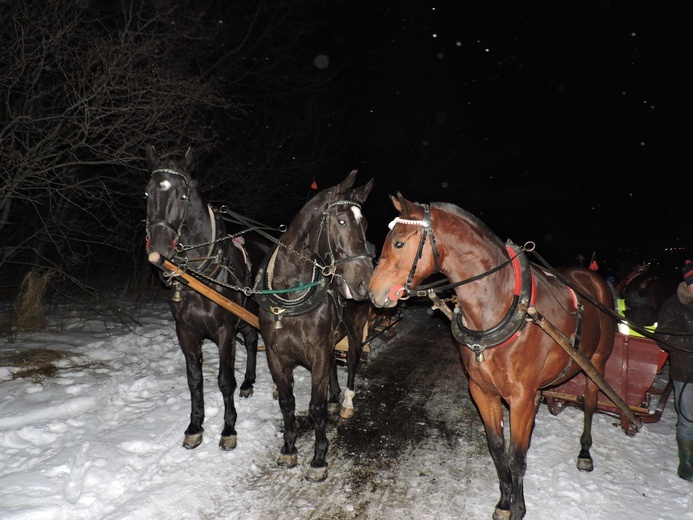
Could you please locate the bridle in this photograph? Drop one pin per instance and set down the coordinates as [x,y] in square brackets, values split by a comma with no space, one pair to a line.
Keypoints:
[329,256]
[426,232]
[185,197]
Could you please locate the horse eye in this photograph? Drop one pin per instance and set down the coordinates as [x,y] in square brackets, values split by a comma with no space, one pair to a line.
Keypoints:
[399,245]
[146,195]
[184,197]
[342,222]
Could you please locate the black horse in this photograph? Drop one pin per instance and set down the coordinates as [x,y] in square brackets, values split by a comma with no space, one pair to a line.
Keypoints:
[182,228]
[314,291]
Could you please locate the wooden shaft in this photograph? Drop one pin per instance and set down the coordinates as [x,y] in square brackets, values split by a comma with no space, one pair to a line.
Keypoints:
[192,282]
[585,364]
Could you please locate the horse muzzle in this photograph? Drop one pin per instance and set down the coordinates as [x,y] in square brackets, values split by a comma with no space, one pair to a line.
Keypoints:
[381,301]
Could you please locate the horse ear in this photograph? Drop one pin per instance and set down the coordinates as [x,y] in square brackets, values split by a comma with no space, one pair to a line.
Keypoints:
[397,201]
[347,183]
[361,193]
[190,160]
[152,157]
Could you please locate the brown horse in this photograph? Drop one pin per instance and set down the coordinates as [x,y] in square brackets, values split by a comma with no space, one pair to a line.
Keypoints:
[508,358]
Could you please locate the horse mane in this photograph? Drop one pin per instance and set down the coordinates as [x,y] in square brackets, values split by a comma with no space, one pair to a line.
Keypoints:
[466,215]
[299,229]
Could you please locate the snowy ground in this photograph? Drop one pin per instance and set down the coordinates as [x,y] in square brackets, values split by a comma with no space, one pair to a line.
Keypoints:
[100,438]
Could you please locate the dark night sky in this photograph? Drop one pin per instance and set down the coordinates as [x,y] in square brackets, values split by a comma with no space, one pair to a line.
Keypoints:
[565,123]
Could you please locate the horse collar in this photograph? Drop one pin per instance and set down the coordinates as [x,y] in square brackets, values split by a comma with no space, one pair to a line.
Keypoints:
[270,299]
[513,321]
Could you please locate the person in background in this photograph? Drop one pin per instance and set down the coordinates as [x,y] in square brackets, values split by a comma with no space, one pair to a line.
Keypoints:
[674,334]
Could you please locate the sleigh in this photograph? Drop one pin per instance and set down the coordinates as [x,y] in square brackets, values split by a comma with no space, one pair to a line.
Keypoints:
[632,371]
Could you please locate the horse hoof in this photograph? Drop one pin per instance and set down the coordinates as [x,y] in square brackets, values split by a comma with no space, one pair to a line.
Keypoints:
[287,461]
[346,413]
[316,474]
[246,392]
[333,407]
[192,441]
[227,443]
[501,514]
[585,464]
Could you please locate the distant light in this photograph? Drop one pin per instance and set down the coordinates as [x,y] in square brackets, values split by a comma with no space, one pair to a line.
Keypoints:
[642,143]
[459,44]
[321,61]
[435,35]
[443,184]
[487,50]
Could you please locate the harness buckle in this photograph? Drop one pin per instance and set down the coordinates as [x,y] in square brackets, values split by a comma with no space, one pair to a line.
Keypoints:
[478,352]
[277,311]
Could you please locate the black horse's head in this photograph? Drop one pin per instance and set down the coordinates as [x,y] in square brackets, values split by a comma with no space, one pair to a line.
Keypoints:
[342,242]
[169,194]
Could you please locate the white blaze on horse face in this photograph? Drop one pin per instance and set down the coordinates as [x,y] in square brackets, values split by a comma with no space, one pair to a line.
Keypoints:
[357,213]
[165,185]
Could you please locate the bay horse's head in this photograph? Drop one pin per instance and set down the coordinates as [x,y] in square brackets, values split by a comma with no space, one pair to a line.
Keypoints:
[341,242]
[407,257]
[168,193]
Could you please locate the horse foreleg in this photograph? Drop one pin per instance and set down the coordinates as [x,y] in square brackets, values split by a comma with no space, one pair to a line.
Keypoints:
[522,415]
[227,385]
[491,410]
[589,406]
[318,412]
[250,339]
[283,376]
[192,351]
